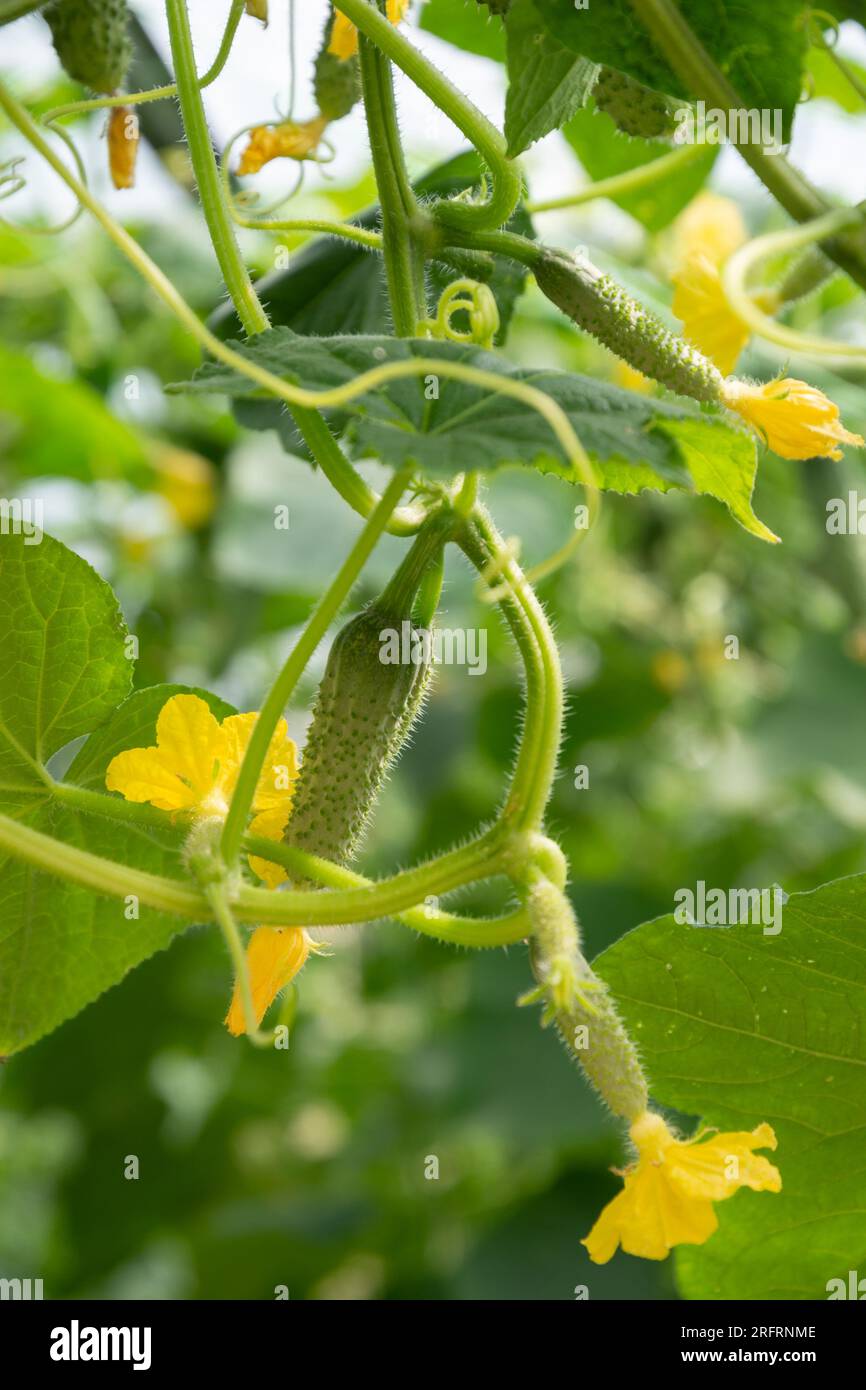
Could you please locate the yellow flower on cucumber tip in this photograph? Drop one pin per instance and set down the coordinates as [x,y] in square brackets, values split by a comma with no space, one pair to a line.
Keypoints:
[670,1189]
[795,419]
[289,140]
[344,35]
[193,768]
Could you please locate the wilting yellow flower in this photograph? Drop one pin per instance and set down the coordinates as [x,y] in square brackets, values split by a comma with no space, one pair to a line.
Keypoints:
[669,1192]
[795,419]
[123,136]
[344,35]
[193,768]
[275,955]
[290,140]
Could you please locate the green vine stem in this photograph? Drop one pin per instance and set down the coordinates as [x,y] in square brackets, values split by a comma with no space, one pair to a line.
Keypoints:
[628,182]
[489,142]
[404,261]
[280,692]
[738,267]
[696,70]
[219,223]
[324,448]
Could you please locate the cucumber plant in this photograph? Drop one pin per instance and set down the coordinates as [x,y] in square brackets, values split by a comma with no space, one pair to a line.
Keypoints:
[179,804]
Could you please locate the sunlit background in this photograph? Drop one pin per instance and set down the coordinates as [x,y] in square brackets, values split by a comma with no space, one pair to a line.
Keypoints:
[307,1169]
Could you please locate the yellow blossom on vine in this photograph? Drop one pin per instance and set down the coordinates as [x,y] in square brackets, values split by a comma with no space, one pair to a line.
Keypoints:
[344,35]
[289,140]
[193,768]
[669,1191]
[795,419]
[707,234]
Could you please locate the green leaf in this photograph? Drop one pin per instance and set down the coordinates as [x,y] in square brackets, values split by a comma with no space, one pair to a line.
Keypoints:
[604,152]
[469,26]
[546,82]
[51,426]
[739,1027]
[333,286]
[62,946]
[636,441]
[829,82]
[64,667]
[759,44]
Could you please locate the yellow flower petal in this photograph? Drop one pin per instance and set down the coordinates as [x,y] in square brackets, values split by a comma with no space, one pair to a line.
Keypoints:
[180,772]
[795,419]
[711,226]
[142,774]
[270,825]
[344,35]
[274,957]
[668,1194]
[291,140]
[708,321]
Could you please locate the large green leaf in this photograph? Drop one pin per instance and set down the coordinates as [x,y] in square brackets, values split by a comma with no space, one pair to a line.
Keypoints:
[52,426]
[604,151]
[64,667]
[469,26]
[636,441]
[759,44]
[738,1027]
[547,84]
[333,286]
[65,671]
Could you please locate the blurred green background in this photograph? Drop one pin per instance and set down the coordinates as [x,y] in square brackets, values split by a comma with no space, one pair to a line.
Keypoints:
[307,1169]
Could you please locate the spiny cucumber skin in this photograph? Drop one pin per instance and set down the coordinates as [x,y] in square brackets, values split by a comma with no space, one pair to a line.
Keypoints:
[91,40]
[337,81]
[598,305]
[634,109]
[362,718]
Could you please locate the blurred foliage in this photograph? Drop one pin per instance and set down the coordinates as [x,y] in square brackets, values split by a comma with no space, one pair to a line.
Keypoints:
[307,1168]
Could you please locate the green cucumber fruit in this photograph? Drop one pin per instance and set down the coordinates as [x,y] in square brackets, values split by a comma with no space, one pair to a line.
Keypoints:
[365,709]
[91,40]
[598,305]
[635,109]
[337,81]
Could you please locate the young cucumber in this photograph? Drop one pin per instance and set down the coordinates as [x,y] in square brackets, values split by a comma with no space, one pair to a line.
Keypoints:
[91,40]
[364,712]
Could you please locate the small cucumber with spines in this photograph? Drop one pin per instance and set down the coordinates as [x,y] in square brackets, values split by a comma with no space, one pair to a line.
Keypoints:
[363,715]
[337,81]
[91,40]
[635,109]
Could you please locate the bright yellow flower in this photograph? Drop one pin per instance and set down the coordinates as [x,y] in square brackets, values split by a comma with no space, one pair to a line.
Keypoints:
[630,379]
[795,419]
[344,35]
[709,232]
[193,768]
[708,321]
[669,1192]
[711,226]
[290,140]
[188,483]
